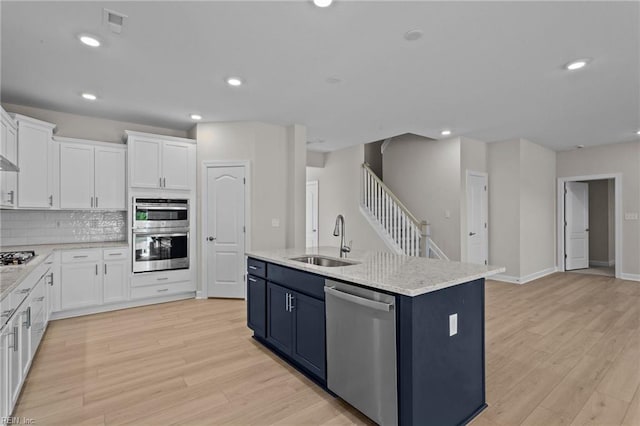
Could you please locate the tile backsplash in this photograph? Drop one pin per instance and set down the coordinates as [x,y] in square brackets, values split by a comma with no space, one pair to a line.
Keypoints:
[23,227]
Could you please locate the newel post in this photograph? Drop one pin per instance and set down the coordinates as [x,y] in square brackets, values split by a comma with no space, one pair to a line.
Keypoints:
[425,234]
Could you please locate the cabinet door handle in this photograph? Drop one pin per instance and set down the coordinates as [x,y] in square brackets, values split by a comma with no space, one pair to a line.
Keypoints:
[28,322]
[164,182]
[51,282]
[253,280]
[25,291]
[286,302]
[252,267]
[80,257]
[15,339]
[91,201]
[291,305]
[11,195]
[50,200]
[6,314]
[96,269]
[39,299]
[160,184]
[105,269]
[162,279]
[162,290]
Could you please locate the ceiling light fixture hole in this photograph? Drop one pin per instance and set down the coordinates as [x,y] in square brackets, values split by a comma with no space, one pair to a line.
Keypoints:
[413,35]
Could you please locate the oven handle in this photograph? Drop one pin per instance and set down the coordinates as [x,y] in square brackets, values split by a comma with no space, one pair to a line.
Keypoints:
[163,234]
[161,208]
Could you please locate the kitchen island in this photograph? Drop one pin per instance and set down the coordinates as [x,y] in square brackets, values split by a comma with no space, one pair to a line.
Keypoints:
[409,350]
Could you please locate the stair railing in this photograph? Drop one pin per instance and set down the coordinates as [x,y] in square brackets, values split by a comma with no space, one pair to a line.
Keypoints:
[410,235]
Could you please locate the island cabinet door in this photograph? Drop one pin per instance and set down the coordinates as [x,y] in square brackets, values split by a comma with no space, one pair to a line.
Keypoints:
[309,331]
[257,305]
[279,319]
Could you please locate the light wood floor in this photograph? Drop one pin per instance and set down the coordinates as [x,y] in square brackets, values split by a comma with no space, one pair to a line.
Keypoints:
[562,350]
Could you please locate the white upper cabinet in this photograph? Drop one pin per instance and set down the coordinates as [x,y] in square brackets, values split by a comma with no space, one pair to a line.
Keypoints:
[35,179]
[145,163]
[76,176]
[161,162]
[92,175]
[110,174]
[175,165]
[9,149]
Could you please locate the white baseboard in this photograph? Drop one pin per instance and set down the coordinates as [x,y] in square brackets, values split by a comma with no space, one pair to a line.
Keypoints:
[599,263]
[630,277]
[525,279]
[122,305]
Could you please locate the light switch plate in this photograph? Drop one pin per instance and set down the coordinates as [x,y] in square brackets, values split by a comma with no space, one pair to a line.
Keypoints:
[447,214]
[275,223]
[453,324]
[631,216]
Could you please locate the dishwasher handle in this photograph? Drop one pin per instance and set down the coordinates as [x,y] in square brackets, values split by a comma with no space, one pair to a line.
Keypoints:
[362,301]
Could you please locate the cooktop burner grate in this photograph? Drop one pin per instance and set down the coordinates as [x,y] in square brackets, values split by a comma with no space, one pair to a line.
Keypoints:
[16,257]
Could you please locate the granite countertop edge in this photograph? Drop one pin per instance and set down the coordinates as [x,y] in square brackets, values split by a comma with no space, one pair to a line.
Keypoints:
[384,281]
[12,276]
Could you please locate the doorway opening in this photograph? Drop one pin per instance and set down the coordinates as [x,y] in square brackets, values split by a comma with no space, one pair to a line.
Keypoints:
[477,218]
[589,225]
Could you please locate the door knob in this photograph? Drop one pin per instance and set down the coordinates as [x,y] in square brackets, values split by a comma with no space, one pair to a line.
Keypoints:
[211,238]
[471,234]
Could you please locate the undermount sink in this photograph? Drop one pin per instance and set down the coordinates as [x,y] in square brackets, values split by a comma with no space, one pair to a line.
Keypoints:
[323,261]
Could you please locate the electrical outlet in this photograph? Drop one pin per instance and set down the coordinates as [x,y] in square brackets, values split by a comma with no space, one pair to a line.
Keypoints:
[631,216]
[447,214]
[275,223]
[453,324]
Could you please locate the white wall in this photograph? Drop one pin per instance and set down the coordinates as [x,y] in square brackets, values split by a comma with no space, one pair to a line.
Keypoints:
[537,209]
[503,159]
[522,208]
[339,193]
[425,175]
[623,158]
[85,127]
[273,167]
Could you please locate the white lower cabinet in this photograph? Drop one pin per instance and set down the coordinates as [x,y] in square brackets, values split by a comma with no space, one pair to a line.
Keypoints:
[20,336]
[81,285]
[93,277]
[116,272]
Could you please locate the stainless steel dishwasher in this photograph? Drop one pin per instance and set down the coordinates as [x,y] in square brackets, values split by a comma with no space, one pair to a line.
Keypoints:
[361,349]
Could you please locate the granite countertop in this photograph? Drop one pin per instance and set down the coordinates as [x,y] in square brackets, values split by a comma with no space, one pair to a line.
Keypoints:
[12,276]
[406,275]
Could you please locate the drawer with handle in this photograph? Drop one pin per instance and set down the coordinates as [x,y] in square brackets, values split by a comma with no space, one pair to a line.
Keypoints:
[256,267]
[164,277]
[162,290]
[115,253]
[76,256]
[37,296]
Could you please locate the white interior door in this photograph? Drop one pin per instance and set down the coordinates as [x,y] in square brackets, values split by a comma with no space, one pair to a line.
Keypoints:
[312,214]
[477,218]
[225,229]
[576,216]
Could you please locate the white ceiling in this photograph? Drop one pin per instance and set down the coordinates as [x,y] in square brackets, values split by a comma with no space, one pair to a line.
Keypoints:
[487,70]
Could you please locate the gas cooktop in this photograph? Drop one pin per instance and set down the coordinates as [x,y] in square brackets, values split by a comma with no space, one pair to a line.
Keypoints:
[16,257]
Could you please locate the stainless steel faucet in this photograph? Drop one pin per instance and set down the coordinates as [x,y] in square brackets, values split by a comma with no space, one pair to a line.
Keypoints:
[338,230]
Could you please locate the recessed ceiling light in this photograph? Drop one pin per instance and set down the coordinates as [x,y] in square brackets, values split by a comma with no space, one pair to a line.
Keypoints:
[580,146]
[333,80]
[89,40]
[196,117]
[638,132]
[445,132]
[577,64]
[322,3]
[89,96]
[413,35]
[234,81]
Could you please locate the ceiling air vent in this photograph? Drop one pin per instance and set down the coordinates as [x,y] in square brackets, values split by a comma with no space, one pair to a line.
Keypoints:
[114,20]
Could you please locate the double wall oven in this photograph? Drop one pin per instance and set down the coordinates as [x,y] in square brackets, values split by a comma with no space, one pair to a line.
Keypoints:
[160,234]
